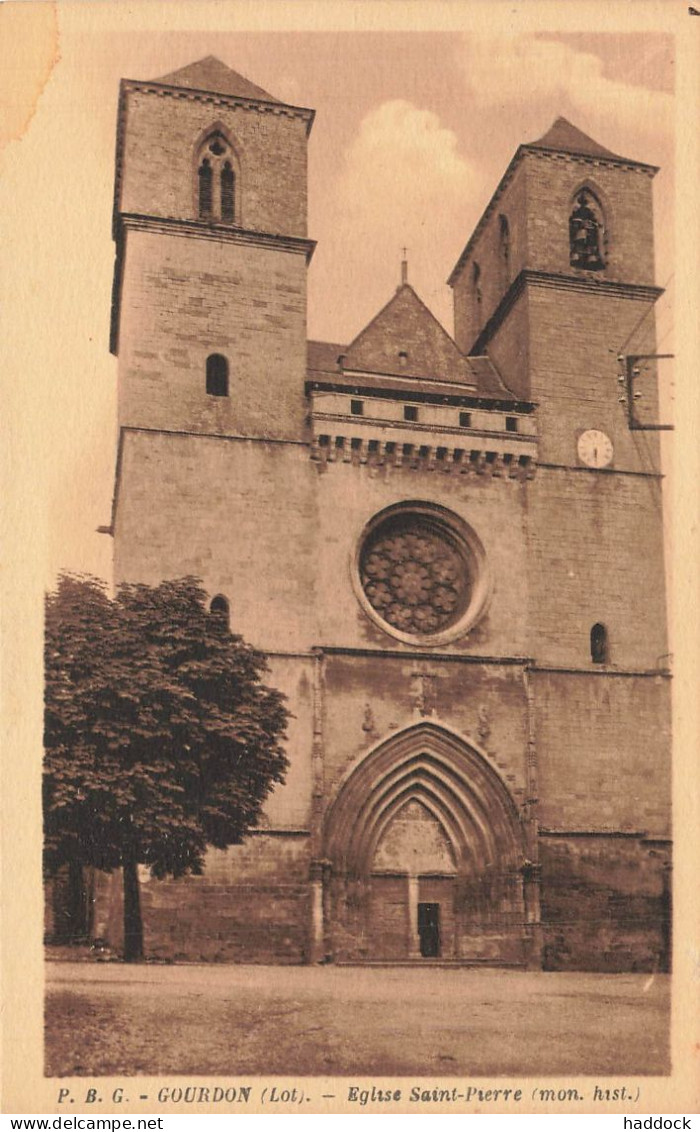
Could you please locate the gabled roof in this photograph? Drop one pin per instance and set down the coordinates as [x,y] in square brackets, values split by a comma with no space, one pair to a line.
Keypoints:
[211,74]
[406,338]
[564,137]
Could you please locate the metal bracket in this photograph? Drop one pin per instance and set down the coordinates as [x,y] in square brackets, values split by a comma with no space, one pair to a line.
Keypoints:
[631,372]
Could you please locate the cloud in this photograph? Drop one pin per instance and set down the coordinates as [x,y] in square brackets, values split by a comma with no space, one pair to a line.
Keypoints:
[548,76]
[403,182]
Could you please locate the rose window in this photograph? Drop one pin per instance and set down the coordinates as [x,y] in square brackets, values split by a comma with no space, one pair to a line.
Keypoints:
[415,574]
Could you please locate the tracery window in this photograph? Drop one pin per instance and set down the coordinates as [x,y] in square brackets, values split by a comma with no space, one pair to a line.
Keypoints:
[216,179]
[587,233]
[421,573]
[415,575]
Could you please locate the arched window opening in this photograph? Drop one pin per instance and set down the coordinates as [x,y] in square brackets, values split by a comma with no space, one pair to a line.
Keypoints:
[205,189]
[504,249]
[216,179]
[586,233]
[599,644]
[227,189]
[217,375]
[220,608]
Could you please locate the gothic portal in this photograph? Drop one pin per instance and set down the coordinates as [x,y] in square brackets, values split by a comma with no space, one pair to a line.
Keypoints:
[449,547]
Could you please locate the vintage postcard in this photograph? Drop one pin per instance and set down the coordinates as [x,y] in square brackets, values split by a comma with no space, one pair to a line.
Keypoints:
[349,376]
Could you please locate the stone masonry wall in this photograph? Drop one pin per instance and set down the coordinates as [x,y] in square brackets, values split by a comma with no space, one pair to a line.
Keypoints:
[605,904]
[162,131]
[186,298]
[596,556]
[603,752]
[250,906]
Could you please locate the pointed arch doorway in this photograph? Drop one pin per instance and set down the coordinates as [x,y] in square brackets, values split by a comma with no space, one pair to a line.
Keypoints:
[425,855]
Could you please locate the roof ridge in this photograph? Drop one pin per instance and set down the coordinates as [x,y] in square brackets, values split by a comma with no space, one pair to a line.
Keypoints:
[567,137]
[403,287]
[211,74]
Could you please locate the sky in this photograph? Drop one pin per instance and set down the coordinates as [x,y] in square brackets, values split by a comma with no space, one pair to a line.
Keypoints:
[416,120]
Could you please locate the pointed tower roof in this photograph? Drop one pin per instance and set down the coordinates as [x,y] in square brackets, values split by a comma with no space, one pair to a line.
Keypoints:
[211,74]
[567,138]
[405,338]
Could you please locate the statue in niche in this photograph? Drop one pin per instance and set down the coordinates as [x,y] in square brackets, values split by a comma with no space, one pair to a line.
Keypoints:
[425,692]
[368,720]
[585,234]
[484,728]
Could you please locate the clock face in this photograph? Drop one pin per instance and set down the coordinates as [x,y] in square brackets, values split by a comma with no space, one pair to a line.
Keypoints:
[595,448]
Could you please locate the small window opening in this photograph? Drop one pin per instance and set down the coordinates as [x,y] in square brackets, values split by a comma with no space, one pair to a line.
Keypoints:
[407,449]
[410,412]
[339,441]
[390,447]
[465,420]
[373,446]
[324,441]
[511,424]
[217,375]
[220,608]
[355,443]
[403,357]
[357,408]
[599,644]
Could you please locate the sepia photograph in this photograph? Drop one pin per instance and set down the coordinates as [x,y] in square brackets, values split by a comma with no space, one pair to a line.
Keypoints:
[354,357]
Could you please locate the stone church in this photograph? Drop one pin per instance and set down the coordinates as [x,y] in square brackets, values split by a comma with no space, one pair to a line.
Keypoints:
[450,548]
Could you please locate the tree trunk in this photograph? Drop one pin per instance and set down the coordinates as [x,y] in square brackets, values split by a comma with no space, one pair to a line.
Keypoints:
[133,924]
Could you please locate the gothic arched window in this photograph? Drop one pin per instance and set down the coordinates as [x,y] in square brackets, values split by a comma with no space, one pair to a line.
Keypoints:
[586,233]
[217,375]
[599,644]
[504,249]
[216,179]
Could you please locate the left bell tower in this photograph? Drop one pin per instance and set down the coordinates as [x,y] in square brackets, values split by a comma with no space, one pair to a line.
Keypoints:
[209,300]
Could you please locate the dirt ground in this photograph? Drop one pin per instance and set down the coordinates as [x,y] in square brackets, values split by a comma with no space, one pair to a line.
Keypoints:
[114,1019]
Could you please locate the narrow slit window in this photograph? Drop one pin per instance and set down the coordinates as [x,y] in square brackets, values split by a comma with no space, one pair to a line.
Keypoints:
[511,424]
[217,375]
[599,644]
[357,408]
[465,420]
[410,412]
[504,249]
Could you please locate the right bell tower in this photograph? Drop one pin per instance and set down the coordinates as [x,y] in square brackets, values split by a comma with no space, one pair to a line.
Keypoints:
[557,286]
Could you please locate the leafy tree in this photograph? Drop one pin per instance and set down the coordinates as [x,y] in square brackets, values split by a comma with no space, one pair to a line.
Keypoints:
[160,738]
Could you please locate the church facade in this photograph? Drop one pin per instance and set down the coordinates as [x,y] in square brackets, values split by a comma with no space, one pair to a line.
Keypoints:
[450,549]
